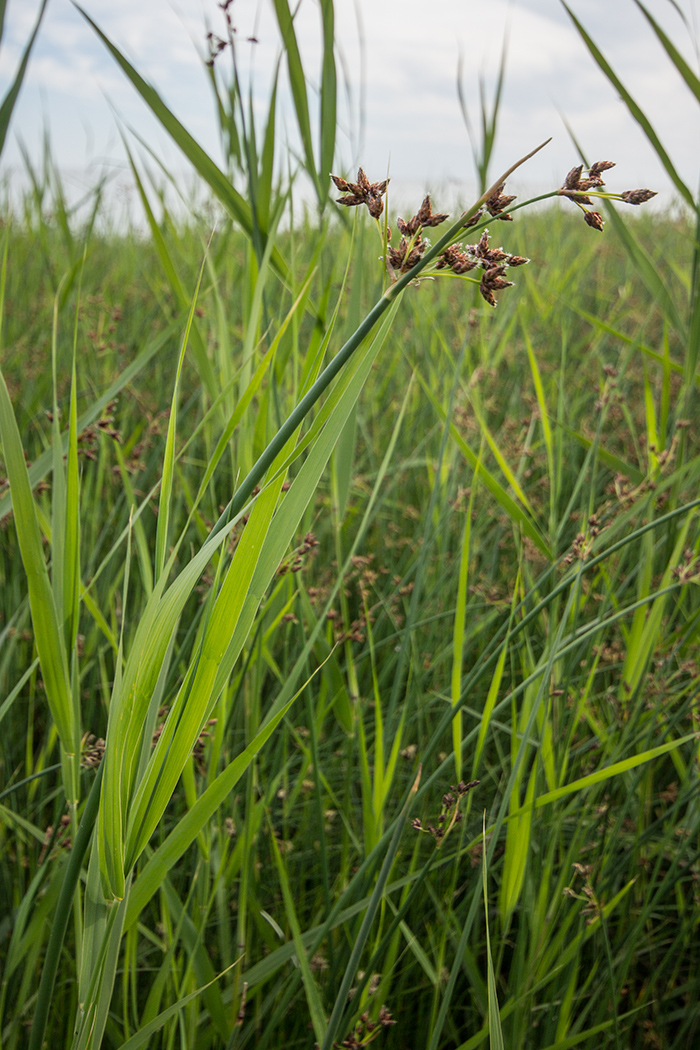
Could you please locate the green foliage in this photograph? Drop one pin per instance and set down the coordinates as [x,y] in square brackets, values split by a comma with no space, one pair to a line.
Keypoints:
[293,555]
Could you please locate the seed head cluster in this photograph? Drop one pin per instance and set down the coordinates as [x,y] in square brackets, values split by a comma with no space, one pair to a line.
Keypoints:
[412,247]
[362,192]
[582,187]
[493,261]
[579,186]
[449,814]
[496,204]
[365,1030]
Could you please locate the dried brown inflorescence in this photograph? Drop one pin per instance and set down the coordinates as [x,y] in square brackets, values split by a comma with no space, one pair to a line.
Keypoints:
[423,217]
[460,260]
[412,247]
[494,262]
[637,196]
[457,260]
[365,1030]
[496,204]
[579,186]
[362,192]
[449,814]
[581,189]
[405,257]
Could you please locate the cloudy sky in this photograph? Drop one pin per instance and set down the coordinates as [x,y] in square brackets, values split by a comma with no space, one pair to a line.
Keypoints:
[401,59]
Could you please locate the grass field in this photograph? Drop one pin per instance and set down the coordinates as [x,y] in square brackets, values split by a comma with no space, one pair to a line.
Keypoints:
[380,728]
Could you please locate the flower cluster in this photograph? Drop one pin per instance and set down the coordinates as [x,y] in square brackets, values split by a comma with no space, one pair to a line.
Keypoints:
[366,1030]
[362,192]
[493,262]
[581,187]
[497,203]
[449,814]
[412,246]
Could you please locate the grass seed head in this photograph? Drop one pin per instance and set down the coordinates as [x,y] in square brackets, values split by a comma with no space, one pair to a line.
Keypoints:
[595,220]
[457,260]
[577,189]
[493,281]
[572,180]
[405,257]
[496,204]
[474,220]
[637,196]
[423,217]
[362,192]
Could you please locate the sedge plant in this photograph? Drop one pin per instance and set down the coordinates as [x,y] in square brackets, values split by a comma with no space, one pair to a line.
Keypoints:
[557,658]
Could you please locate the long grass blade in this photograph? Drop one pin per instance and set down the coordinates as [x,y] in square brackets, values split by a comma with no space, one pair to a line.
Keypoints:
[634,109]
[8,103]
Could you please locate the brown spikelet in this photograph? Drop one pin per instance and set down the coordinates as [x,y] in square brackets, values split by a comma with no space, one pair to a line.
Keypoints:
[475,219]
[594,219]
[637,196]
[362,192]
[599,166]
[493,281]
[403,259]
[496,204]
[423,217]
[573,178]
[457,260]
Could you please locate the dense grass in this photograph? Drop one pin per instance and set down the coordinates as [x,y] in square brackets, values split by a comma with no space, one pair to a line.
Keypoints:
[396,663]
[571,658]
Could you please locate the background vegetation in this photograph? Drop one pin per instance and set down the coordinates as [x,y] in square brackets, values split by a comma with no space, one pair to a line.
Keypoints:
[483,567]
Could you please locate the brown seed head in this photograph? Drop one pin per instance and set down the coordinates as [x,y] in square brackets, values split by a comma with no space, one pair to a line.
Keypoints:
[402,259]
[637,196]
[594,179]
[487,294]
[481,249]
[492,281]
[457,260]
[493,277]
[497,204]
[362,192]
[601,165]
[573,178]
[593,183]
[488,256]
[475,219]
[423,217]
[594,219]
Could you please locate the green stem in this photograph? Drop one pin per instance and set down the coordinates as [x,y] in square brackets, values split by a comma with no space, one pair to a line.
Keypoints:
[27,780]
[63,913]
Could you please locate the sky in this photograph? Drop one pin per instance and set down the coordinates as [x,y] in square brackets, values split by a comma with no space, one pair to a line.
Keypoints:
[398,61]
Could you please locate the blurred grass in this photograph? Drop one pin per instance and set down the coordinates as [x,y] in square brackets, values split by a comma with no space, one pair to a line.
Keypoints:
[568,397]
